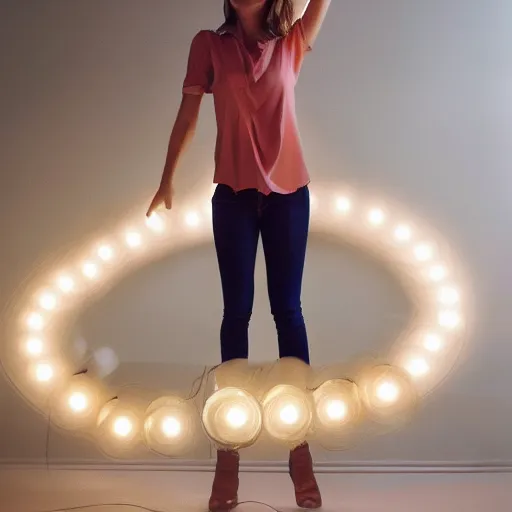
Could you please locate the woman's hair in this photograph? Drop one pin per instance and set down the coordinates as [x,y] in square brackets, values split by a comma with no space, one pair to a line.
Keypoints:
[278,17]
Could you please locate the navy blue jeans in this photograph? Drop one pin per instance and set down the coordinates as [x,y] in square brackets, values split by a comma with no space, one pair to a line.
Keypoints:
[283,222]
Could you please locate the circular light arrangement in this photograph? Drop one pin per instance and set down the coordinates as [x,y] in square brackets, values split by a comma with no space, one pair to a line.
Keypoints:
[233,416]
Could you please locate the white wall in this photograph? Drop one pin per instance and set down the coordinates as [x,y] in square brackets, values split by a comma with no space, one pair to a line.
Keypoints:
[409,99]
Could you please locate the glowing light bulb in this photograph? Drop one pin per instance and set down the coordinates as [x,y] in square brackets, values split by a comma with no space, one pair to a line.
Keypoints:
[90,269]
[105,252]
[44,372]
[337,410]
[123,426]
[155,222]
[448,296]
[78,402]
[432,342]
[437,273]
[343,204]
[376,217]
[418,367]
[34,346]
[403,233]
[236,417]
[133,239]
[449,319]
[35,321]
[171,427]
[289,414]
[387,392]
[192,219]
[48,301]
[65,283]
[423,252]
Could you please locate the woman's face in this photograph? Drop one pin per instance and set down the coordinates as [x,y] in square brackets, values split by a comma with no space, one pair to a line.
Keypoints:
[248,5]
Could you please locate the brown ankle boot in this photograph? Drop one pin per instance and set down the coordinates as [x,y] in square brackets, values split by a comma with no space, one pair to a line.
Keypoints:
[307,493]
[225,484]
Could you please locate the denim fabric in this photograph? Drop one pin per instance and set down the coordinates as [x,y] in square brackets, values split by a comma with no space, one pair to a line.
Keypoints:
[283,222]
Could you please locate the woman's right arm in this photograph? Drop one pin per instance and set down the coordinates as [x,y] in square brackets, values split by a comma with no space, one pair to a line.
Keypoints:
[182,132]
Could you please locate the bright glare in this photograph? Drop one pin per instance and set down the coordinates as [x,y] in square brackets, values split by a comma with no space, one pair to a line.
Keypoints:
[403,233]
[236,417]
[90,270]
[105,252]
[48,301]
[34,346]
[78,402]
[423,252]
[449,319]
[155,222]
[123,426]
[432,342]
[313,201]
[133,239]
[437,273]
[65,283]
[192,219]
[171,427]
[289,414]
[44,372]
[388,392]
[418,367]
[448,296]
[337,410]
[35,321]
[376,216]
[343,204]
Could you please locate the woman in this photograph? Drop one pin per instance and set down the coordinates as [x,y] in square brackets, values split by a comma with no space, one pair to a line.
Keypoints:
[251,64]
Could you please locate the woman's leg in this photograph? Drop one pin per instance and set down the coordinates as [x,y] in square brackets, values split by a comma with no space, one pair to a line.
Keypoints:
[284,232]
[236,233]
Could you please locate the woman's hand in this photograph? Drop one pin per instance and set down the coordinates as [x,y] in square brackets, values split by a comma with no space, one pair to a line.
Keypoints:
[163,197]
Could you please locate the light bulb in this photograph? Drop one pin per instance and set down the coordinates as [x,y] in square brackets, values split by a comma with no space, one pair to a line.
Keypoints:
[155,222]
[44,372]
[34,346]
[418,367]
[123,426]
[432,342]
[336,410]
[437,273]
[289,414]
[192,219]
[236,417]
[423,252]
[35,321]
[387,392]
[448,296]
[133,239]
[449,319]
[171,427]
[343,204]
[105,252]
[48,301]
[65,283]
[376,216]
[90,269]
[78,402]
[403,233]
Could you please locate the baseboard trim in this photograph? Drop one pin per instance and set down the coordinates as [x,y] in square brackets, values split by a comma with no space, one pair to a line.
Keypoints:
[207,466]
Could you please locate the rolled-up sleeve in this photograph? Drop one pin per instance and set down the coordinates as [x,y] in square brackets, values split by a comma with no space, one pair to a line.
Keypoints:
[199,77]
[297,44]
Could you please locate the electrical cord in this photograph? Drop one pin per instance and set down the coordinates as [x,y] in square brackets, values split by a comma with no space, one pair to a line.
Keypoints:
[140,507]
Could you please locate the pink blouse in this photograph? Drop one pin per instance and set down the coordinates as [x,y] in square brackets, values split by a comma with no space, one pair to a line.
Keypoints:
[258,143]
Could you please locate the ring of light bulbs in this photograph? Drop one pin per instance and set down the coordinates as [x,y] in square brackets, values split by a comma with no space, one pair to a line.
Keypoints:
[417,362]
